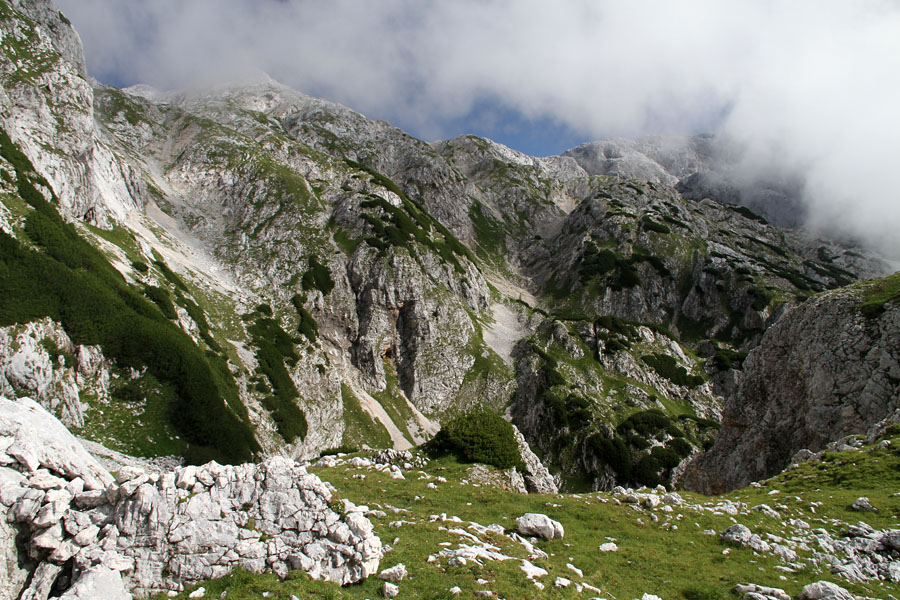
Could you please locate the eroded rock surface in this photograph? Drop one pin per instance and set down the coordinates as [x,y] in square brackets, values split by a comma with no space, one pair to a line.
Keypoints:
[153,531]
[824,371]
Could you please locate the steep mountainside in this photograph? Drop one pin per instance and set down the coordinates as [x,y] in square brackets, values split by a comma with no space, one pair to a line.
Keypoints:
[829,368]
[249,270]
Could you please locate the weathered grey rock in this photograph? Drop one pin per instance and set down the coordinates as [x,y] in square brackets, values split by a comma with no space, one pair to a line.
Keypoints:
[862,504]
[758,592]
[389,590]
[13,569]
[395,574]
[609,547]
[537,478]
[539,525]
[151,534]
[98,582]
[41,582]
[42,441]
[824,590]
[738,535]
[824,371]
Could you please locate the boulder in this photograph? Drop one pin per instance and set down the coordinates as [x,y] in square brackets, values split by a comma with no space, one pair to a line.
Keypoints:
[824,590]
[40,440]
[539,525]
[737,535]
[862,504]
[395,574]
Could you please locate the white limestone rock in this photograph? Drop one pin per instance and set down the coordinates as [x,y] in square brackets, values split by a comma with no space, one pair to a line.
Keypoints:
[539,525]
[824,590]
[395,574]
[42,441]
[98,582]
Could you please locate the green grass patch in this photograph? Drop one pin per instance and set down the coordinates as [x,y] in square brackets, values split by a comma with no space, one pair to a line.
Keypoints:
[360,428]
[876,294]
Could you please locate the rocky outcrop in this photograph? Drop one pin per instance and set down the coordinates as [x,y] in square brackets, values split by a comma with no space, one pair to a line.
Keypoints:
[537,478]
[46,106]
[824,371]
[151,531]
[39,361]
[64,38]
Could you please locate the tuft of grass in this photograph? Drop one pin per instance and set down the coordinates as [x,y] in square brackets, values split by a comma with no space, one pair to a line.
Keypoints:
[877,293]
[359,427]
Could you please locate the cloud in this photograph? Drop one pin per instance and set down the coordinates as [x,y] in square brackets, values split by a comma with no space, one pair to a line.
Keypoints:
[808,85]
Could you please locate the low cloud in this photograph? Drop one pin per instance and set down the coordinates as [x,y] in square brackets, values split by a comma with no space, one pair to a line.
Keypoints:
[808,85]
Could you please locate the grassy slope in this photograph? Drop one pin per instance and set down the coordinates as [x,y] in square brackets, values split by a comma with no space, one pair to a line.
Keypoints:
[653,557]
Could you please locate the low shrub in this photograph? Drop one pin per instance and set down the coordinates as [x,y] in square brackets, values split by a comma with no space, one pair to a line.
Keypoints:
[161,298]
[669,368]
[479,436]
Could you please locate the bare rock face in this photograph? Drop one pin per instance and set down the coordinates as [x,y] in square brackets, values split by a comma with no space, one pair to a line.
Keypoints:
[63,37]
[39,361]
[824,371]
[146,531]
[538,479]
[47,102]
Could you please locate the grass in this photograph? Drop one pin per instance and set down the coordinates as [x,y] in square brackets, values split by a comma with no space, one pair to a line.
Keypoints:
[876,294]
[653,557]
[359,427]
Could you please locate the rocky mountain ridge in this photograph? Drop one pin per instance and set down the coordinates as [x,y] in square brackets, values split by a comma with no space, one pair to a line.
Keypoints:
[342,283]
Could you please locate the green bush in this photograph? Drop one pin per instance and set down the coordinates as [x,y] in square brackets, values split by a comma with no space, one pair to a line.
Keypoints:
[651,225]
[275,348]
[318,277]
[669,368]
[761,297]
[667,458]
[646,471]
[647,423]
[161,298]
[614,452]
[479,436]
[680,447]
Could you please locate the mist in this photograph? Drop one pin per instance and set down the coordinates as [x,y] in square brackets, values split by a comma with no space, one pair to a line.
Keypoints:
[804,87]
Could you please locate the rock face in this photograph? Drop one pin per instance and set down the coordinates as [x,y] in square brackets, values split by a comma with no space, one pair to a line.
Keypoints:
[46,102]
[377,261]
[39,361]
[537,478]
[155,531]
[824,371]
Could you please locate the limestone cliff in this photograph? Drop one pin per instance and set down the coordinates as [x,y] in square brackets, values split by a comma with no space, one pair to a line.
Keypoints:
[829,368]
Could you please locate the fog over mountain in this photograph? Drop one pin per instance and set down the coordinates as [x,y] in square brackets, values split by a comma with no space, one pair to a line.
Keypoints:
[804,88]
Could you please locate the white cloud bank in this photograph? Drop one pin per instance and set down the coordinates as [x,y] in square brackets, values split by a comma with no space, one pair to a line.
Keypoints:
[810,84]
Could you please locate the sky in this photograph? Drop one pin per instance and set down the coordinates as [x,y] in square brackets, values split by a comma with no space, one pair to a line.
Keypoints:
[805,85]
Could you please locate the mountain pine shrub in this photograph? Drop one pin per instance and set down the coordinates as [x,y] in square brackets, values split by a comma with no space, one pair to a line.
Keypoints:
[481,437]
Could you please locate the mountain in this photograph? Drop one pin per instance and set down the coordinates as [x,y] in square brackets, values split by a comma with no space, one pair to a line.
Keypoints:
[336,281]
[242,272]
